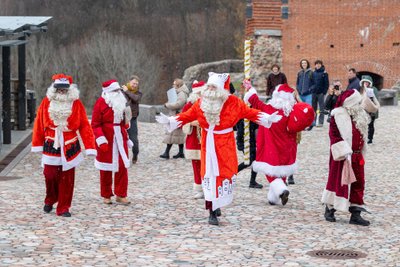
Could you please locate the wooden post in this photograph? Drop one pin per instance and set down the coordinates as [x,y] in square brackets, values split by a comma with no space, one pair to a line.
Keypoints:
[6,95]
[21,85]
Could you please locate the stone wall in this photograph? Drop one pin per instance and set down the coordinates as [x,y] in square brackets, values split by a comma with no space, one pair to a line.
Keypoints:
[266,52]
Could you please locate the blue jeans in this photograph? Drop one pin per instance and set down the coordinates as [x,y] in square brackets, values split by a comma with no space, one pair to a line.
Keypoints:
[307,99]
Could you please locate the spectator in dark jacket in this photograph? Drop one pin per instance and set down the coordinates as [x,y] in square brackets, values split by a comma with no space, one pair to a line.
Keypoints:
[305,84]
[333,92]
[133,95]
[354,82]
[275,78]
[240,145]
[321,85]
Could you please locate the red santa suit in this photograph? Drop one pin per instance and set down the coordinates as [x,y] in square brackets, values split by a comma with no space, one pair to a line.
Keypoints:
[276,146]
[112,140]
[59,117]
[192,142]
[218,149]
[347,143]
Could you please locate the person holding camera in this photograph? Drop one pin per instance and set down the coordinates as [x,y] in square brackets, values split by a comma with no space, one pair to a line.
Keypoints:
[333,92]
[370,103]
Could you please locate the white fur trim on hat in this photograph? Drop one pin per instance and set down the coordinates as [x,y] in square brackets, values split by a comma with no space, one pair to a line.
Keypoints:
[217,79]
[111,87]
[352,100]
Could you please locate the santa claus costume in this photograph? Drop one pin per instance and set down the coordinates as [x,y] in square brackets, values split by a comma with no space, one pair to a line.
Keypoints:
[192,142]
[217,112]
[110,121]
[348,131]
[276,146]
[59,117]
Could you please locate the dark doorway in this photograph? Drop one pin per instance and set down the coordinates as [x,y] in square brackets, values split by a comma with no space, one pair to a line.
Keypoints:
[376,78]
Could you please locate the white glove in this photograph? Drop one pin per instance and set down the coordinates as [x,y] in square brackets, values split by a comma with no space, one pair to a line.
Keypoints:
[163,119]
[370,92]
[348,157]
[274,117]
[266,120]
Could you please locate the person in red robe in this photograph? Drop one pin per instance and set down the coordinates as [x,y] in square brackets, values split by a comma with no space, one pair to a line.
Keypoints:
[59,118]
[192,142]
[217,112]
[110,121]
[348,131]
[276,146]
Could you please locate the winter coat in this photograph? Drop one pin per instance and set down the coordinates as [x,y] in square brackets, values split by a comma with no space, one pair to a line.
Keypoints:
[305,82]
[330,102]
[354,83]
[177,136]
[273,80]
[133,101]
[105,130]
[44,135]
[321,81]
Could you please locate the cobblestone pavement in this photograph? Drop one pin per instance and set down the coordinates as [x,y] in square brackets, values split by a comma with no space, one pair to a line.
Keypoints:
[164,226]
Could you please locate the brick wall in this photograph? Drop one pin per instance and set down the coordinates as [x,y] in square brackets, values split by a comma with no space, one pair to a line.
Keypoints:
[363,34]
[266,15]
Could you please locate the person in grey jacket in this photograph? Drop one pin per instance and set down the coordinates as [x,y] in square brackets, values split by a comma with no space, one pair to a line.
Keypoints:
[177,136]
[133,96]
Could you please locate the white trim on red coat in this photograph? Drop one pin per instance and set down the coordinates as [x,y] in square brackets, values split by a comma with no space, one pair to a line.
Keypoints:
[91,152]
[276,171]
[57,161]
[193,154]
[101,140]
[339,203]
[104,166]
[37,149]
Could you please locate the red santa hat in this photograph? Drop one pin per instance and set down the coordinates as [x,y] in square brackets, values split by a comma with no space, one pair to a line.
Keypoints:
[301,117]
[61,80]
[110,85]
[349,98]
[284,91]
[197,86]
[218,79]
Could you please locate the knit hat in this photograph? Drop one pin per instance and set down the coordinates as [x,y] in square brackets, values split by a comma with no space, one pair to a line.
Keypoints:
[218,79]
[348,98]
[110,85]
[197,86]
[61,81]
[366,78]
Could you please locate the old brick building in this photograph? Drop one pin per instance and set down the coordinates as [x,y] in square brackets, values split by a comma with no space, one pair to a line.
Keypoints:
[363,34]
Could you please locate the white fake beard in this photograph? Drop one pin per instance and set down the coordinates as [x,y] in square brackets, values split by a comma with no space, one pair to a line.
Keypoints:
[212,102]
[60,107]
[284,104]
[193,98]
[117,101]
[360,118]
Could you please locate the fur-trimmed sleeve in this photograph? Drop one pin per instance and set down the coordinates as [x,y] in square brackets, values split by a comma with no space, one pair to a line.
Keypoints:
[96,123]
[38,128]
[85,130]
[190,114]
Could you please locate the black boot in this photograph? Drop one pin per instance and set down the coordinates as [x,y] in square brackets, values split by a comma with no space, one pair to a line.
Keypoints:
[330,214]
[66,214]
[180,153]
[290,179]
[253,183]
[356,216]
[47,208]
[213,220]
[284,197]
[218,212]
[166,153]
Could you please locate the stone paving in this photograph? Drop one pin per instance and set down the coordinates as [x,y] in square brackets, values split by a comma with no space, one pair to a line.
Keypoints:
[164,226]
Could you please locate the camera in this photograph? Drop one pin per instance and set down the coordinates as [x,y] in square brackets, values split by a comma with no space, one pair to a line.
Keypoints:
[336,87]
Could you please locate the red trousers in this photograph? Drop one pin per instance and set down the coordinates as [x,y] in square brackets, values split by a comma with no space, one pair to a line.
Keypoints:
[59,187]
[120,182]
[272,178]
[196,171]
